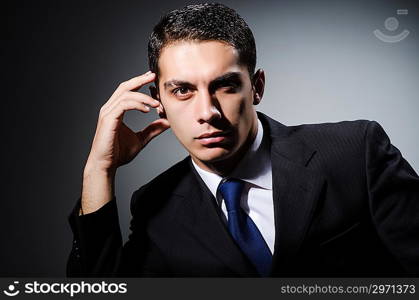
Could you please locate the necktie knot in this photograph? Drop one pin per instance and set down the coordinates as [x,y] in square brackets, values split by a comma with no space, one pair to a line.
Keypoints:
[231,190]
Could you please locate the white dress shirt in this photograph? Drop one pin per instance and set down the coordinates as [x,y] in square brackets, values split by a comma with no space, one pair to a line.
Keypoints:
[255,169]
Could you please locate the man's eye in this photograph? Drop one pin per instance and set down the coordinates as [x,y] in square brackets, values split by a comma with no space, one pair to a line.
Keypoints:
[229,88]
[181,91]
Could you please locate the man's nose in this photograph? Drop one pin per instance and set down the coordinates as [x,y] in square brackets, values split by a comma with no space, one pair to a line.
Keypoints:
[207,108]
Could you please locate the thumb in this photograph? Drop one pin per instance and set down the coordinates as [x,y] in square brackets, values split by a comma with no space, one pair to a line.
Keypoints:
[152,130]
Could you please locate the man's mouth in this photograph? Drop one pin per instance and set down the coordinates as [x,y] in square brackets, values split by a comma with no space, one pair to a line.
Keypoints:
[212,137]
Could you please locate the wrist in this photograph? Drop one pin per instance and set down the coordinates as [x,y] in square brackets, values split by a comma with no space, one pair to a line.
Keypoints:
[93,169]
[97,188]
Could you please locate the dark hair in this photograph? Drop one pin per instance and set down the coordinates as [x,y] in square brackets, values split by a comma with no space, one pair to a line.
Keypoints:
[203,22]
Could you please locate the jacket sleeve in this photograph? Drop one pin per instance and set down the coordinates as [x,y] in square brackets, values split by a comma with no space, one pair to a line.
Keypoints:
[97,242]
[98,250]
[393,188]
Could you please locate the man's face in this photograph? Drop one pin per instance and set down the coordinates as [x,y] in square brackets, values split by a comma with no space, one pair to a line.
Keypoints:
[208,99]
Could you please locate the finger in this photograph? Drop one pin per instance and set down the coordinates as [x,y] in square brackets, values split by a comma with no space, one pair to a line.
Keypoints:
[146,99]
[131,84]
[126,105]
[152,130]
[140,97]
[137,81]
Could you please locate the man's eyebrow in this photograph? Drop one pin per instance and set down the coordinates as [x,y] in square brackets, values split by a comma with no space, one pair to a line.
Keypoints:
[226,77]
[235,76]
[230,78]
[176,82]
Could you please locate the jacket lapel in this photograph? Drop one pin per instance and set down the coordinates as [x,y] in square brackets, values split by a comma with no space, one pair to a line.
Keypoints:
[296,190]
[200,216]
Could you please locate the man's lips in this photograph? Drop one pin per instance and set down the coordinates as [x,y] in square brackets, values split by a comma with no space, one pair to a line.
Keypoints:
[212,137]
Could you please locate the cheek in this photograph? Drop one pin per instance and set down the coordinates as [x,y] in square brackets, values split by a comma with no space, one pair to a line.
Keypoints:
[179,119]
[235,106]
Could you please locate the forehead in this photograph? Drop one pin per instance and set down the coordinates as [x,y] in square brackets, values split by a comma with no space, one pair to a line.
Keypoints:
[197,60]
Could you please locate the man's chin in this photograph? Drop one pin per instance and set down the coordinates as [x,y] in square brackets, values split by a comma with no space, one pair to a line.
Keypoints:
[212,155]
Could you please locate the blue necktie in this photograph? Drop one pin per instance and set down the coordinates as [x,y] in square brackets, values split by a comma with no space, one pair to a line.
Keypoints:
[243,229]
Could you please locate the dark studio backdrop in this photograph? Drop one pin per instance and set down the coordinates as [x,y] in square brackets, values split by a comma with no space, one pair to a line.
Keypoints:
[63,59]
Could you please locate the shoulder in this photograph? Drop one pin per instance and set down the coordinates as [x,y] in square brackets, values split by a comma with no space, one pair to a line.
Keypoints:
[167,177]
[336,144]
[332,141]
[346,147]
[357,134]
[343,139]
[339,132]
[332,130]
[164,184]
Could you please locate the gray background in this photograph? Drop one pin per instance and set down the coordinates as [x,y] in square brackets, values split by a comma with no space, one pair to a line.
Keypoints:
[63,59]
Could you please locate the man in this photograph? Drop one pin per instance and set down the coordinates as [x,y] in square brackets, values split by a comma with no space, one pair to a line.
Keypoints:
[254,197]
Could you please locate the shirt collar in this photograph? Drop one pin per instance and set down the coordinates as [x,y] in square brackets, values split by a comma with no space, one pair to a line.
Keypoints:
[254,168]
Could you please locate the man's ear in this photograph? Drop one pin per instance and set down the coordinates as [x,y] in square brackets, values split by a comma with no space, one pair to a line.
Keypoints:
[258,82]
[154,94]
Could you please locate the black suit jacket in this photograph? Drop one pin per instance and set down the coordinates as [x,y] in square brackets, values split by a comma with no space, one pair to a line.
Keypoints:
[346,203]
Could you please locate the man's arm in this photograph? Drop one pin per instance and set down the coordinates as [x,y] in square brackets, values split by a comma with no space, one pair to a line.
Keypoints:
[114,144]
[97,243]
[393,188]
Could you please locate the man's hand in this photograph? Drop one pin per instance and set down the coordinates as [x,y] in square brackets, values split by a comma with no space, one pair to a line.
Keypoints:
[115,144]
